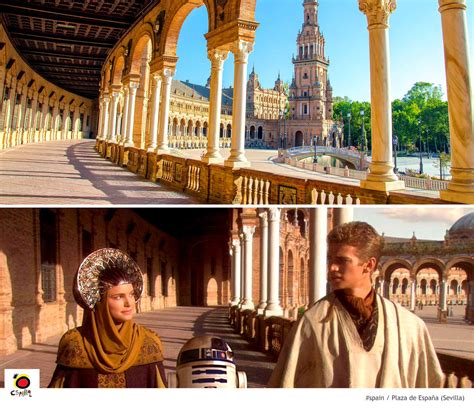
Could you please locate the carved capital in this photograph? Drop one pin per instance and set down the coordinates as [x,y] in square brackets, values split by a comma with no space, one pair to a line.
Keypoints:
[263,218]
[167,75]
[217,57]
[273,214]
[445,5]
[248,232]
[156,79]
[236,243]
[377,11]
[241,50]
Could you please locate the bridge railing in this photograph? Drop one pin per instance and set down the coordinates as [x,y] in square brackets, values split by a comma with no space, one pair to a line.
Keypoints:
[269,335]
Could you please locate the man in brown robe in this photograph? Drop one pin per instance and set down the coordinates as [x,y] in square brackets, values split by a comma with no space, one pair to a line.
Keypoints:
[354,337]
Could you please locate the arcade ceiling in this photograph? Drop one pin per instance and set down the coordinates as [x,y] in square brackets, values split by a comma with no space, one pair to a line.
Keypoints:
[67,41]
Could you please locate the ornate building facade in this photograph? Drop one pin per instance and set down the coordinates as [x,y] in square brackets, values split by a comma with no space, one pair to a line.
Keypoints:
[308,117]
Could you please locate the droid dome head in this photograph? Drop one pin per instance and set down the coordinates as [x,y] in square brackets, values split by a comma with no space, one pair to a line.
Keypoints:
[207,362]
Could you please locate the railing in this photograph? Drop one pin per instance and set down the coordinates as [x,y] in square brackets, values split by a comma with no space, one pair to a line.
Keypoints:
[424,183]
[215,183]
[252,190]
[194,181]
[412,182]
[274,331]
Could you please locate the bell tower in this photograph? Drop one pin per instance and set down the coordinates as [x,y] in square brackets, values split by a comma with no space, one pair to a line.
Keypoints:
[310,92]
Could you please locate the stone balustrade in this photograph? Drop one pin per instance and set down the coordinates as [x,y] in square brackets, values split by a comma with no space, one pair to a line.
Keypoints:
[270,334]
[215,183]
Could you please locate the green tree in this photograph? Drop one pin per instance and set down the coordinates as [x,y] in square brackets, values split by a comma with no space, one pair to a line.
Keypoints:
[344,106]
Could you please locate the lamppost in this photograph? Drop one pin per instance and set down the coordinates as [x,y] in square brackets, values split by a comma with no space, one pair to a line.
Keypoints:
[349,116]
[395,146]
[315,141]
[420,147]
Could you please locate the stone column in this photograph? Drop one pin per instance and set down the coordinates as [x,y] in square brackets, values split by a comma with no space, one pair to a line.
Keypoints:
[443,304]
[113,118]
[343,215]
[381,176]
[131,113]
[248,232]
[64,130]
[155,112]
[237,158]
[164,110]
[318,224]
[413,295]
[236,269]
[273,302]
[263,261]
[460,100]
[123,132]
[99,125]
[75,123]
[54,133]
[32,120]
[217,58]
[105,117]
[44,117]
[242,269]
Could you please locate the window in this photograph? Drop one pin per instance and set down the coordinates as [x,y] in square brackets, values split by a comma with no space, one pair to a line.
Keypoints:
[305,109]
[48,254]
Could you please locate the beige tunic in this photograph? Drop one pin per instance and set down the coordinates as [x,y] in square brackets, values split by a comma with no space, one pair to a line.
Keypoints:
[324,350]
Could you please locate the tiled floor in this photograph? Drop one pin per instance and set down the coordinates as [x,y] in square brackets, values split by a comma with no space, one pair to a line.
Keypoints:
[73,173]
[175,326]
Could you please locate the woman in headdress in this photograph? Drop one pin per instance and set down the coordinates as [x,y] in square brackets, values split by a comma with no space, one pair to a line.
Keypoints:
[109,350]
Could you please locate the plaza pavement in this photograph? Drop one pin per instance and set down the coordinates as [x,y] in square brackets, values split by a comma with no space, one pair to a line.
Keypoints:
[73,173]
[177,325]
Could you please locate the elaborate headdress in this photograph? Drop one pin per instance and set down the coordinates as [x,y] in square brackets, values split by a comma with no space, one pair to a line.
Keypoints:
[100,271]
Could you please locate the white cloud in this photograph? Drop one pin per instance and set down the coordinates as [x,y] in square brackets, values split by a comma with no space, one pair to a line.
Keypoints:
[446,215]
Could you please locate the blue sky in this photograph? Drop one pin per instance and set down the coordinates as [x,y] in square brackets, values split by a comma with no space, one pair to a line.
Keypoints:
[415,41]
[428,223]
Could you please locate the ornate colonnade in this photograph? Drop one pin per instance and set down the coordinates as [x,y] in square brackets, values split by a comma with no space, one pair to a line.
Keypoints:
[34,110]
[270,274]
[138,76]
[460,98]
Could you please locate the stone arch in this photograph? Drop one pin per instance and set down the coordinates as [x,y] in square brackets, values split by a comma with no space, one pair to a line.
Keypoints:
[298,138]
[291,279]
[260,133]
[464,262]
[118,68]
[172,29]
[142,46]
[430,262]
[252,132]
[174,127]
[389,266]
[210,298]
[302,285]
